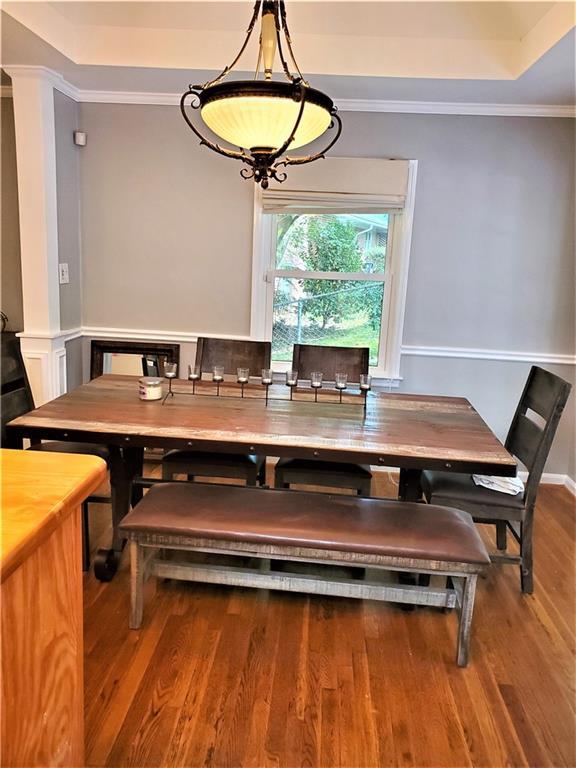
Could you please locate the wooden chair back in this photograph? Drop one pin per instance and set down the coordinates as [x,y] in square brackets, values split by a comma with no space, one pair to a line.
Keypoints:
[233,354]
[354,361]
[16,395]
[529,439]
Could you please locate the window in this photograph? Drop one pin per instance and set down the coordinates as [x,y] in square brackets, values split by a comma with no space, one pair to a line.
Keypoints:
[330,267]
[328,280]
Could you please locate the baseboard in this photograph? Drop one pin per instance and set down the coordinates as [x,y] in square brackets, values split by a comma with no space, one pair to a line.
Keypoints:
[548,478]
[570,484]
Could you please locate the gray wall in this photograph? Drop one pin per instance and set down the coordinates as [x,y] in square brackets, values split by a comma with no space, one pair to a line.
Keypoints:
[10,272]
[167,240]
[167,227]
[66,114]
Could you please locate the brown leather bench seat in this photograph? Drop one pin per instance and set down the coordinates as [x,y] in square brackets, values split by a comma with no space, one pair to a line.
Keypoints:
[277,524]
[316,520]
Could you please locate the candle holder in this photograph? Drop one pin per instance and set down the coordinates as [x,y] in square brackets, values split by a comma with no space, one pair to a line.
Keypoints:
[218,377]
[291,381]
[170,370]
[341,382]
[316,382]
[266,380]
[194,374]
[243,374]
[365,387]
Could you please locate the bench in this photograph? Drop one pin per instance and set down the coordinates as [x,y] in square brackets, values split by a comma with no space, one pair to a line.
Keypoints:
[286,525]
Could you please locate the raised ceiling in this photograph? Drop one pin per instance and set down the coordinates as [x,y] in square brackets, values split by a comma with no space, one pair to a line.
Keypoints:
[515,52]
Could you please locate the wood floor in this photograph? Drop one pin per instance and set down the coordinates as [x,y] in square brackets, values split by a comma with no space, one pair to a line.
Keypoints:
[237,677]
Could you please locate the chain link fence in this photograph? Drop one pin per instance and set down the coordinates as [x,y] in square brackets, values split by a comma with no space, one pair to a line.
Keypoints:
[359,326]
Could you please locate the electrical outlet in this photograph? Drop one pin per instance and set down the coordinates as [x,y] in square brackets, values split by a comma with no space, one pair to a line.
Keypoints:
[63,273]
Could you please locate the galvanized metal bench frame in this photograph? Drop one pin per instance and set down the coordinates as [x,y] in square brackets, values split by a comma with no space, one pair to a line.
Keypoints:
[146,550]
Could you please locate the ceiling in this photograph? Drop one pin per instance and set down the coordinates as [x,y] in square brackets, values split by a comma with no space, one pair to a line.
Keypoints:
[491,21]
[474,52]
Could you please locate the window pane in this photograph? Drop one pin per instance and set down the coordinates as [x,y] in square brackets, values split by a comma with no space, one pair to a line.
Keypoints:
[331,312]
[332,242]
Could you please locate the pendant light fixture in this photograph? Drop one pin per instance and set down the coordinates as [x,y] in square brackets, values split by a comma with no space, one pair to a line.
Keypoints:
[264,118]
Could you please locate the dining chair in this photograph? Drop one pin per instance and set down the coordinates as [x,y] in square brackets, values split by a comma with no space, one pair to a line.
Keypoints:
[231,354]
[529,439]
[353,361]
[16,400]
[150,365]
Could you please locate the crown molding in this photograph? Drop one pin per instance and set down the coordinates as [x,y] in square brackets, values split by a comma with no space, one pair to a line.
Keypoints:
[15,71]
[344,105]
[358,105]
[456,108]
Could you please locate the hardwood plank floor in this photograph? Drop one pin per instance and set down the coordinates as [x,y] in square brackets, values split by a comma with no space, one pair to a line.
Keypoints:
[237,677]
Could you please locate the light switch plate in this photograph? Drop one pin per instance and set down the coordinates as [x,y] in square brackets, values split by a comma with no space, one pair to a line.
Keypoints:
[63,273]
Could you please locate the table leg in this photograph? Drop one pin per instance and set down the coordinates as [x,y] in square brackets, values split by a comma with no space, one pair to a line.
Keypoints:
[134,458]
[124,465]
[409,488]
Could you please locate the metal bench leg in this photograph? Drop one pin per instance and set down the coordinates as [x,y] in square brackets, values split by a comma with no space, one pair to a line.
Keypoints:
[466,609]
[137,573]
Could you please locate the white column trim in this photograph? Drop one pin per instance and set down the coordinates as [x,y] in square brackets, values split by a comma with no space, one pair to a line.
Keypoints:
[45,361]
[33,96]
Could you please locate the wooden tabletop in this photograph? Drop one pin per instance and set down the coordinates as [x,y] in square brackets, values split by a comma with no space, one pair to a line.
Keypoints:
[412,431]
[38,491]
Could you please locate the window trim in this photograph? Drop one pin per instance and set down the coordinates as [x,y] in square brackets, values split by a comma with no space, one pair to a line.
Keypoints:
[395,282]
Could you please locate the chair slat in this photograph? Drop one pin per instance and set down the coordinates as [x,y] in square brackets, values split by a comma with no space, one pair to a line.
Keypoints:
[542,392]
[233,354]
[524,440]
[354,361]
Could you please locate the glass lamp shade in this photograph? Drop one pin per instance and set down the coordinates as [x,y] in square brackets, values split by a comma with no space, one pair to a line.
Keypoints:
[261,115]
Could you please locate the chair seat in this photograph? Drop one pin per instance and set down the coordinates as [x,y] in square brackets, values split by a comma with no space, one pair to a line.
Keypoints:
[62,446]
[450,486]
[332,467]
[199,458]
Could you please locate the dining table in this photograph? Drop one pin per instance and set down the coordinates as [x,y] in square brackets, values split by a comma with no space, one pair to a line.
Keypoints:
[412,432]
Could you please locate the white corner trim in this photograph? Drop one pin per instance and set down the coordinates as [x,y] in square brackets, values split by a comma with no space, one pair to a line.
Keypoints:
[570,484]
[345,105]
[490,354]
[456,108]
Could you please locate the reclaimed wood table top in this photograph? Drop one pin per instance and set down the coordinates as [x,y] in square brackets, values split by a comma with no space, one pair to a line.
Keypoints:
[403,430]
[38,491]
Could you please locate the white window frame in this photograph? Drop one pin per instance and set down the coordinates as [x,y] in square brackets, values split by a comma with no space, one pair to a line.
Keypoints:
[395,279]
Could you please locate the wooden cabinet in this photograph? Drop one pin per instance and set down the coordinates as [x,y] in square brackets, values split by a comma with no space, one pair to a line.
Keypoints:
[41,613]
